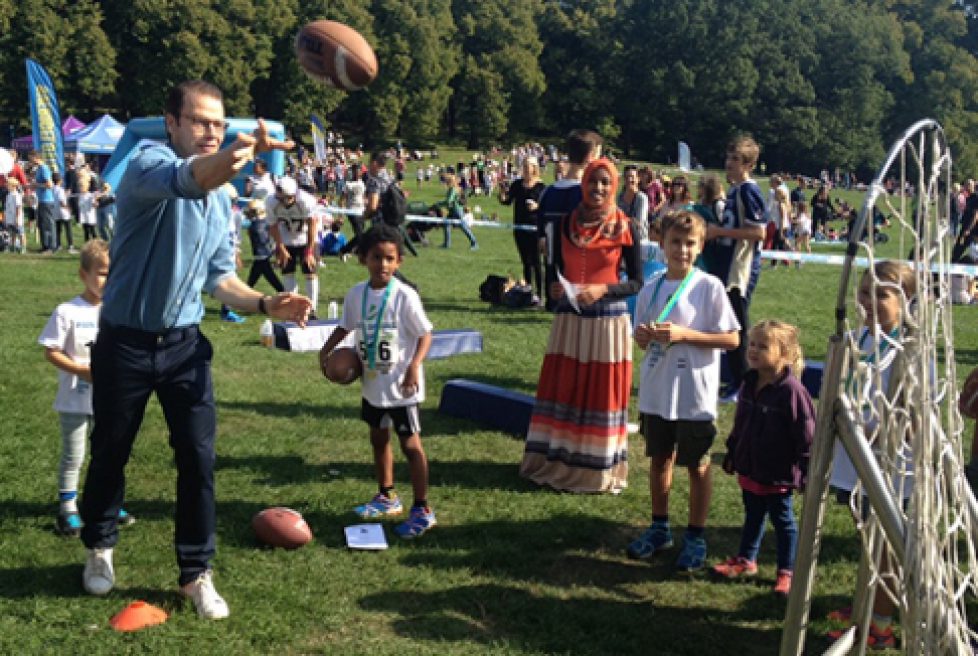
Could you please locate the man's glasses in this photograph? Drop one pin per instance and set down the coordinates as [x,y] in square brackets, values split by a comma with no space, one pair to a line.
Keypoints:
[202,124]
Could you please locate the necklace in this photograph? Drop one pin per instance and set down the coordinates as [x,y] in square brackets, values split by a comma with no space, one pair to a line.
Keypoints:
[584,235]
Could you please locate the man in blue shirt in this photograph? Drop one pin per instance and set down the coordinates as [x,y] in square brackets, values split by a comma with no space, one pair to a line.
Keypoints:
[170,244]
[47,205]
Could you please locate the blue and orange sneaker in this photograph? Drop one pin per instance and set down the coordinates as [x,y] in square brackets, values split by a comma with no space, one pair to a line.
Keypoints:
[380,506]
[419,521]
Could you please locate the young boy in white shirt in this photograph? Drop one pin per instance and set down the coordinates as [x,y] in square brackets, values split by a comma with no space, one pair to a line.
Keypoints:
[393,336]
[683,319]
[67,339]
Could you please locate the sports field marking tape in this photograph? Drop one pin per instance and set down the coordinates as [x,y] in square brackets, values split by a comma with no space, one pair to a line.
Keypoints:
[434,219]
[838,260]
[813,258]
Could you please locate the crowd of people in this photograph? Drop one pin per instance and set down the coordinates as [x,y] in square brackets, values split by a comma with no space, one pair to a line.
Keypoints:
[581,242]
[41,205]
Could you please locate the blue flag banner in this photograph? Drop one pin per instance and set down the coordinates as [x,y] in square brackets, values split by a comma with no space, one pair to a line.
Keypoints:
[45,117]
[318,137]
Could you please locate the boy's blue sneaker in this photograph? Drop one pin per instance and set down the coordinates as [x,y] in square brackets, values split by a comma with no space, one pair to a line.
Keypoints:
[380,506]
[232,317]
[69,524]
[124,518]
[418,523]
[693,555]
[654,539]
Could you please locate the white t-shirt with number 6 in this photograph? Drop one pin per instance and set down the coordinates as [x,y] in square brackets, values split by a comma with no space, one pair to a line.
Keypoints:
[403,323]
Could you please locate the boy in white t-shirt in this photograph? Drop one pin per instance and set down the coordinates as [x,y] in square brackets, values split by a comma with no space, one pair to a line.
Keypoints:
[13,215]
[683,319]
[67,339]
[393,335]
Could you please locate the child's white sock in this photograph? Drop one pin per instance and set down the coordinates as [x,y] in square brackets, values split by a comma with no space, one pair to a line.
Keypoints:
[288,281]
[68,500]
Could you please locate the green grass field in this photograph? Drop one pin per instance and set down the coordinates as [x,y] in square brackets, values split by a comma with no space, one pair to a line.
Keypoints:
[511,569]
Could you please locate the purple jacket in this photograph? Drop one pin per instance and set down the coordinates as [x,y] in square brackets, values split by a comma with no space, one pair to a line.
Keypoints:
[772,433]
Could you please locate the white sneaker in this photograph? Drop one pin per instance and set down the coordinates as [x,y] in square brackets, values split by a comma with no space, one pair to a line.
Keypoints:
[98,577]
[210,605]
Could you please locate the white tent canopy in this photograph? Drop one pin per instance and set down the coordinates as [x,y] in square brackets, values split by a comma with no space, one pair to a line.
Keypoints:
[99,137]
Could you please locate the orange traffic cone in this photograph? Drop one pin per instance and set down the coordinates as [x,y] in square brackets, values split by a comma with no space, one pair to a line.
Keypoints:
[137,615]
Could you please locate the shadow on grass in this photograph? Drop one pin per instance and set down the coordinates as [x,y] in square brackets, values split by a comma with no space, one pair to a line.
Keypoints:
[65,582]
[495,615]
[576,553]
[278,470]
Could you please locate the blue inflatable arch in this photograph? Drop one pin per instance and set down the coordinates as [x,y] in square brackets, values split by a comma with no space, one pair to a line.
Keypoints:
[153,128]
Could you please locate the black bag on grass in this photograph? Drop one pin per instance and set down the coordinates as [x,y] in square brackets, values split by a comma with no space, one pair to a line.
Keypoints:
[518,296]
[493,289]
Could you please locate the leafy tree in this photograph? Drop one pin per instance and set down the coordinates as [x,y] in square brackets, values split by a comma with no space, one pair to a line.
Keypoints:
[581,69]
[66,38]
[417,44]
[500,81]
[945,75]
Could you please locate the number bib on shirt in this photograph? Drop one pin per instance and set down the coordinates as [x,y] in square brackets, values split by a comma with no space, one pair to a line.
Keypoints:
[387,350]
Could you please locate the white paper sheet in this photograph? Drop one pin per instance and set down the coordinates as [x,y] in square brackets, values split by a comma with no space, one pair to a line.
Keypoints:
[365,536]
[570,291]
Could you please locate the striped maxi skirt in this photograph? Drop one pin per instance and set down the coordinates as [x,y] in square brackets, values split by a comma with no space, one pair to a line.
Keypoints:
[578,435]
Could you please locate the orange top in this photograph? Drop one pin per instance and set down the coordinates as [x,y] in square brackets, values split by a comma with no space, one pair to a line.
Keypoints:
[593,255]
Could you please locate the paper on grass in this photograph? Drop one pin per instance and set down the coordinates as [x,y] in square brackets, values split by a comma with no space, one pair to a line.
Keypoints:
[570,291]
[365,536]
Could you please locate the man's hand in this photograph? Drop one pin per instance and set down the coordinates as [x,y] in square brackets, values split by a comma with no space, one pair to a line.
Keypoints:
[263,142]
[290,307]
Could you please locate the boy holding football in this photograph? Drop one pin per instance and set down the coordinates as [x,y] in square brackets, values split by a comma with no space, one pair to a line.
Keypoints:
[393,335]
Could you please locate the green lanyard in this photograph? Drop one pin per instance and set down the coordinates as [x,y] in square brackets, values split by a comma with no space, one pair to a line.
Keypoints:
[370,345]
[672,299]
[871,357]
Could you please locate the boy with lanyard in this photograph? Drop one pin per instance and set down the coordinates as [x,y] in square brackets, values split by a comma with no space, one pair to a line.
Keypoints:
[682,320]
[393,335]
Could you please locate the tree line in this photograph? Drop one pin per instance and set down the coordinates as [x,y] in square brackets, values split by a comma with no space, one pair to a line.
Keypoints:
[819,83]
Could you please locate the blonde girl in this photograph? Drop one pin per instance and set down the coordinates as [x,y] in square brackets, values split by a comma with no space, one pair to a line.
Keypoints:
[768,448]
[885,326]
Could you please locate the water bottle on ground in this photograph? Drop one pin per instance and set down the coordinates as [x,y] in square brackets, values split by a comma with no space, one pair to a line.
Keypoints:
[266,334]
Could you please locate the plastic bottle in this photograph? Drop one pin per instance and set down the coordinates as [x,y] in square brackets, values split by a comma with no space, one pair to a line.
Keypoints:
[267,334]
[334,310]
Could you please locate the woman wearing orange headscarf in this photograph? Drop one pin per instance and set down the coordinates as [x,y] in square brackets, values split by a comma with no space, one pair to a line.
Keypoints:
[578,440]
